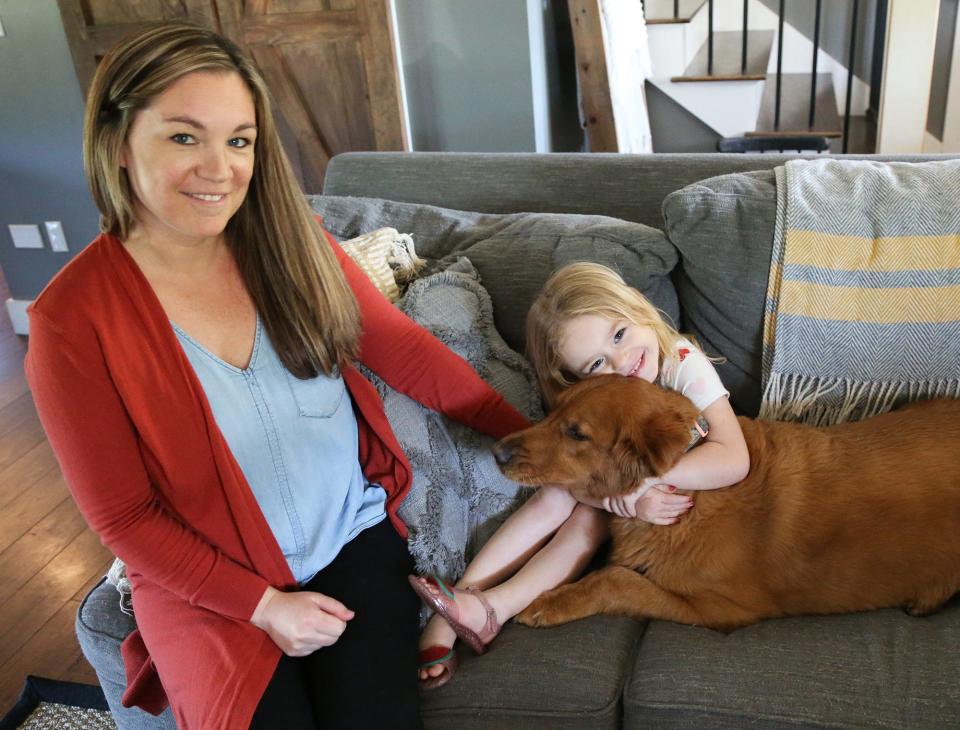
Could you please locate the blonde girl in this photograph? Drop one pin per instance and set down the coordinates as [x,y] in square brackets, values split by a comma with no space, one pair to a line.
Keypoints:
[586,321]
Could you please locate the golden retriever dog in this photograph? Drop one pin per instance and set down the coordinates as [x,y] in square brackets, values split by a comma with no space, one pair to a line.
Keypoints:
[829,520]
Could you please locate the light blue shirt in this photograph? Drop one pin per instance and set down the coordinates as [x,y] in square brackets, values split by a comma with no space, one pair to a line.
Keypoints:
[296,442]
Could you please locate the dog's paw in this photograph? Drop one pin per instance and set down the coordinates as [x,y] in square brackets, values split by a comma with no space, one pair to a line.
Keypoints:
[550,609]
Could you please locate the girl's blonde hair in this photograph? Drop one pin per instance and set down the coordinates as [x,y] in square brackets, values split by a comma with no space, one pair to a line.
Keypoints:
[575,290]
[292,275]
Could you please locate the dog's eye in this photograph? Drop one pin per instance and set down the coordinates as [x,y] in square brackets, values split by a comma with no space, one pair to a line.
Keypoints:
[573,431]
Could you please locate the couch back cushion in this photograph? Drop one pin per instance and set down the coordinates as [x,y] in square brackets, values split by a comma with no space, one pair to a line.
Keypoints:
[723,229]
[516,253]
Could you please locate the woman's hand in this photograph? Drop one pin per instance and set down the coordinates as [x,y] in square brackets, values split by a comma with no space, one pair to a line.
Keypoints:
[302,622]
[654,503]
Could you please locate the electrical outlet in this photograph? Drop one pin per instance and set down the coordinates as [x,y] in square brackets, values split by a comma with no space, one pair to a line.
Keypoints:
[25,236]
[58,242]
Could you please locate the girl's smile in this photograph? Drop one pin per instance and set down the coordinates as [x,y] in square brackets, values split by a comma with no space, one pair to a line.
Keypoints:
[595,345]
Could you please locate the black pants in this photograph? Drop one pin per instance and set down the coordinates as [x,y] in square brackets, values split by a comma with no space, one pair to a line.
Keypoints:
[368,678]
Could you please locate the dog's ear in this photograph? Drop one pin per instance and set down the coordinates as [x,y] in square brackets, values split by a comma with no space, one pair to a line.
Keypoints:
[652,446]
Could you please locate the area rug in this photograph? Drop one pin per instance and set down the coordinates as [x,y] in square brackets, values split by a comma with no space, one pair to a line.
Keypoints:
[48,704]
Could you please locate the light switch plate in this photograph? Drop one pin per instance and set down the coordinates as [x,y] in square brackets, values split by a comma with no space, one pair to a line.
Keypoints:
[25,236]
[58,242]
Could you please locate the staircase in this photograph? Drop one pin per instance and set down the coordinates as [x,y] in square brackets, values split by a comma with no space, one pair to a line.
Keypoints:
[718,61]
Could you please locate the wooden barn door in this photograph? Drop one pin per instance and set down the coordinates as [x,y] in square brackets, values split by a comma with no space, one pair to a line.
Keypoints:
[330,64]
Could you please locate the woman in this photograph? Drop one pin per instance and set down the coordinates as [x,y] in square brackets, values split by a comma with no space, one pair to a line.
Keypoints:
[193,370]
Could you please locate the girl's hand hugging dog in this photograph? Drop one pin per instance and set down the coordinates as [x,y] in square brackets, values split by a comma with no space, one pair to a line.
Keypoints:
[587,321]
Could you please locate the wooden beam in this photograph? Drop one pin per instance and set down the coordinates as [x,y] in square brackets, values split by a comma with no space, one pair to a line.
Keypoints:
[596,107]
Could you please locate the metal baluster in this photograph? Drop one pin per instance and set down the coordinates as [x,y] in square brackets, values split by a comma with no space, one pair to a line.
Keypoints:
[776,106]
[743,53]
[813,79]
[709,37]
[676,9]
[850,62]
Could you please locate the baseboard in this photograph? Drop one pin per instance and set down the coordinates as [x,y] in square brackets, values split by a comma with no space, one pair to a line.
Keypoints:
[17,309]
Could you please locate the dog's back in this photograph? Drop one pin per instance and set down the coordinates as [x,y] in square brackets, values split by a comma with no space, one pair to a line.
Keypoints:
[851,517]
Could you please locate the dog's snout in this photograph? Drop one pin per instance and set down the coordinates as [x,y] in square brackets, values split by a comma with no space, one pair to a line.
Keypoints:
[502,452]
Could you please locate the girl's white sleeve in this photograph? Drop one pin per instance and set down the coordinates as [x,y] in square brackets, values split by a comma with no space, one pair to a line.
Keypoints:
[691,374]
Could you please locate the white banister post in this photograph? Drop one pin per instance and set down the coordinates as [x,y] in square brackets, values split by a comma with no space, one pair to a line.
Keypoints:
[911,37]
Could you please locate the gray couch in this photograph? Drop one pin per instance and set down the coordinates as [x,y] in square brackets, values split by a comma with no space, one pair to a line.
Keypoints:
[694,233]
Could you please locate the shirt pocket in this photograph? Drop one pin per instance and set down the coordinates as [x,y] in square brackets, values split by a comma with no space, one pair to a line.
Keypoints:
[318,397]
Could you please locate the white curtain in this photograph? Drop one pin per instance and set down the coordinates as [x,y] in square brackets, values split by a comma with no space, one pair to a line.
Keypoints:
[628,66]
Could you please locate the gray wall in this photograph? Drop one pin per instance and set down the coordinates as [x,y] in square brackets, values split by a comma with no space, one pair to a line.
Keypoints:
[41,166]
[466,68]
[673,128]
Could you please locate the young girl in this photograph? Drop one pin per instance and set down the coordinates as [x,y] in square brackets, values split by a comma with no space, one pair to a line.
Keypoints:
[585,322]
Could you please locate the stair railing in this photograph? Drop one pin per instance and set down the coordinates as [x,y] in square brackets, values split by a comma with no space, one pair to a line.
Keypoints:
[850,61]
[813,71]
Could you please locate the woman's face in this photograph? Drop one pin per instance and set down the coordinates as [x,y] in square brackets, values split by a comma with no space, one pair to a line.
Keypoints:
[189,157]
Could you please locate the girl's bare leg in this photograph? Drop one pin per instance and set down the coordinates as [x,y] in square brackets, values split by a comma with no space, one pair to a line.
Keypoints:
[510,547]
[558,561]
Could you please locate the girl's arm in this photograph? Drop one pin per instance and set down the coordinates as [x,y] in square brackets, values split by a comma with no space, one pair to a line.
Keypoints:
[721,460]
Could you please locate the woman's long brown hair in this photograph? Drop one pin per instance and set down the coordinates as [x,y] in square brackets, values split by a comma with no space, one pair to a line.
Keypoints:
[292,275]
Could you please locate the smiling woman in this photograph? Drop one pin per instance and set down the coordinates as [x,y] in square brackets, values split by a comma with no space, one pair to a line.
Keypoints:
[194,371]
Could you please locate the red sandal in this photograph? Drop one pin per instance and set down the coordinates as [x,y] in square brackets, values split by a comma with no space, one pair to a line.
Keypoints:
[445,603]
[446,657]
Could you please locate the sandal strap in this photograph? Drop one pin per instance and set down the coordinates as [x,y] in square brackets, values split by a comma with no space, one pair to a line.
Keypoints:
[492,626]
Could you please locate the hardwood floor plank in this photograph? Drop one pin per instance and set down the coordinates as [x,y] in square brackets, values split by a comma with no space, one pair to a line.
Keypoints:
[49,651]
[25,611]
[30,506]
[38,463]
[17,442]
[14,414]
[94,579]
[79,671]
[40,544]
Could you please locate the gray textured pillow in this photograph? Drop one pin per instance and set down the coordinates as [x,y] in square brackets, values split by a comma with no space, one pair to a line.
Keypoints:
[459,497]
[515,253]
[723,228]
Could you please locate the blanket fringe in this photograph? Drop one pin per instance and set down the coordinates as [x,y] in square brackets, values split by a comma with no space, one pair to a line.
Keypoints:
[825,402]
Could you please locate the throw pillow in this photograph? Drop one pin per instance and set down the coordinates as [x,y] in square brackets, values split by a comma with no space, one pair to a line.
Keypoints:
[387,257]
[723,228]
[459,497]
[516,253]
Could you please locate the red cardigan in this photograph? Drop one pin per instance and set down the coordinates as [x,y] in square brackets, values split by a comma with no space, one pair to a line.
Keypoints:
[153,476]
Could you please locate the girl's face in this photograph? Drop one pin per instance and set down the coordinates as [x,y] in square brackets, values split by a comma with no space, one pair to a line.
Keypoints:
[189,157]
[594,345]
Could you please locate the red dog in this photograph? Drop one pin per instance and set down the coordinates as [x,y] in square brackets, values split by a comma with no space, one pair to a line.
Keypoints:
[829,520]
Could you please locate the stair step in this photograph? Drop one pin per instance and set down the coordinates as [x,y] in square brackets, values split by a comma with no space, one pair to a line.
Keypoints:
[795,107]
[661,11]
[727,57]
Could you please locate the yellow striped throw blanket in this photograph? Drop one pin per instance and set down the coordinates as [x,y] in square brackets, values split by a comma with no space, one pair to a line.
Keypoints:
[863,300]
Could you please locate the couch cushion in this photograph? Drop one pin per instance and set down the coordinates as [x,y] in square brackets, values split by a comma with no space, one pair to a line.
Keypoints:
[569,676]
[723,228]
[516,253]
[879,669]
[101,627]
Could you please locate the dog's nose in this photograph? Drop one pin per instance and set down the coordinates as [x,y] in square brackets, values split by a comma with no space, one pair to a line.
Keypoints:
[502,453]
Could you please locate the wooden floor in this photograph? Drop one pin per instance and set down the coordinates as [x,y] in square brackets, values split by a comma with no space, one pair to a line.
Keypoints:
[48,557]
